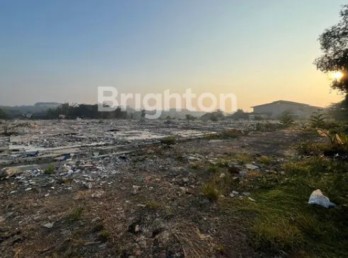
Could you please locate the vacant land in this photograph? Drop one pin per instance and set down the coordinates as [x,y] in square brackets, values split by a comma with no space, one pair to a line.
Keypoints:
[193,191]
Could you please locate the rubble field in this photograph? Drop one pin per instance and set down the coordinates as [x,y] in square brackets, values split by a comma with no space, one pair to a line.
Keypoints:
[93,188]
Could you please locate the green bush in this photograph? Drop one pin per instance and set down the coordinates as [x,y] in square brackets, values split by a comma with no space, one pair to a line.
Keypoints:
[317,120]
[169,140]
[287,119]
[50,169]
[210,191]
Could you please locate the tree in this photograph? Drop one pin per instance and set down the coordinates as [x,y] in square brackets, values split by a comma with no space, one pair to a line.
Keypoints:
[2,114]
[317,120]
[189,117]
[334,44]
[240,114]
[338,111]
[142,115]
[286,118]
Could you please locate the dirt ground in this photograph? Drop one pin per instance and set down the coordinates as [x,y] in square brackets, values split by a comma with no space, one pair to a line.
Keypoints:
[152,206]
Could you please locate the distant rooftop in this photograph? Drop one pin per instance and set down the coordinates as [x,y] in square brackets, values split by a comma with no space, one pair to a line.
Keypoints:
[47,104]
[286,102]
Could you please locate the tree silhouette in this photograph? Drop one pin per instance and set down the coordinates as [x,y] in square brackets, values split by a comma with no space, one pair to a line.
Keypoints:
[2,114]
[334,44]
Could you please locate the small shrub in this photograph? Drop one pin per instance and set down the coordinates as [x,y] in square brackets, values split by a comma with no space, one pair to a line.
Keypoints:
[153,205]
[75,215]
[317,120]
[196,165]
[265,160]
[98,228]
[210,192]
[231,133]
[49,170]
[310,148]
[287,119]
[103,235]
[243,158]
[169,140]
[267,127]
[213,169]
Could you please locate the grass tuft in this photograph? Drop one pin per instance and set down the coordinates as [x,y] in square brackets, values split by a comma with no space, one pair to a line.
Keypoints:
[75,215]
[210,191]
[49,170]
[169,140]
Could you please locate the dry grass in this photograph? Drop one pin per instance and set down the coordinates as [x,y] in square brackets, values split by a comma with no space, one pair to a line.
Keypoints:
[193,242]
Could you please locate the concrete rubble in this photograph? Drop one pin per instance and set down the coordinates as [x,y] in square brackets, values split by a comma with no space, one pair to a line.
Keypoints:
[121,173]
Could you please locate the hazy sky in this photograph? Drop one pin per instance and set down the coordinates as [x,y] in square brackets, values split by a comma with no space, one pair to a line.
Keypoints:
[261,50]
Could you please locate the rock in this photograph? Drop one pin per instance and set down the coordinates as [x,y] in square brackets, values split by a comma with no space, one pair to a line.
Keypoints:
[2,219]
[97,194]
[48,225]
[251,199]
[183,189]
[195,158]
[243,173]
[86,185]
[234,193]
[318,198]
[185,179]
[222,175]
[246,193]
[251,167]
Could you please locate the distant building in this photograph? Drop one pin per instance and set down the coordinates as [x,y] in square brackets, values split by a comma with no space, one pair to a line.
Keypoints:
[47,104]
[276,108]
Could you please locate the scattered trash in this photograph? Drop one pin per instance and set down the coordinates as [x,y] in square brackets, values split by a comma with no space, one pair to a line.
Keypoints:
[318,198]
[135,189]
[251,167]
[185,180]
[48,225]
[234,193]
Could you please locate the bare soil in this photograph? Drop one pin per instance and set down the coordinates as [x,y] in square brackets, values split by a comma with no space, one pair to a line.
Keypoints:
[152,206]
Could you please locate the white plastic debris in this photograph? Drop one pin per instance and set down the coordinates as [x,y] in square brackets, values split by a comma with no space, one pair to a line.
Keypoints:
[251,166]
[48,225]
[318,198]
[234,193]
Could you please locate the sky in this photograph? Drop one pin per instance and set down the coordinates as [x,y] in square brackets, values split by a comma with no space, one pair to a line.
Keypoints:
[261,51]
